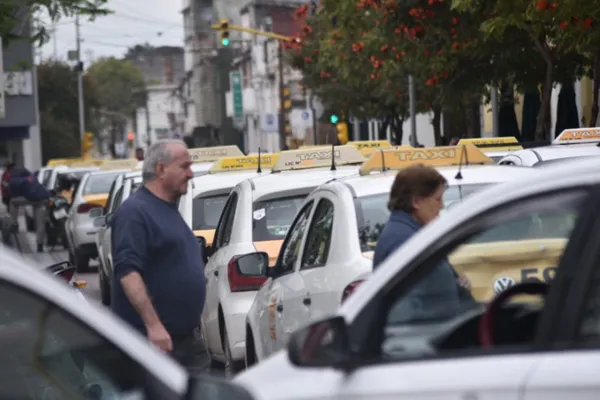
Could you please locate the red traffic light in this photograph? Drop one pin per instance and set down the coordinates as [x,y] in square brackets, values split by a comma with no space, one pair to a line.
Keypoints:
[130,136]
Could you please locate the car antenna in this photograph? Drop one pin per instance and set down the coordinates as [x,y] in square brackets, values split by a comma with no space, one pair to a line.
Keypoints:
[383,167]
[259,170]
[333,167]
[460,162]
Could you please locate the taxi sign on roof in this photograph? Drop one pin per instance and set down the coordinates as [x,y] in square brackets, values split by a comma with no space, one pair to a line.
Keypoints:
[208,154]
[580,135]
[108,165]
[433,156]
[56,162]
[368,151]
[250,162]
[378,144]
[497,143]
[83,164]
[317,158]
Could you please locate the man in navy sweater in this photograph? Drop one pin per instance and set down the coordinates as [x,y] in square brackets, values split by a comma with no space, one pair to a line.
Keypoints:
[158,283]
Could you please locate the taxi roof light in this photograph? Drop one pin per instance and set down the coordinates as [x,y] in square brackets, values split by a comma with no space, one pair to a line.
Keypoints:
[496,143]
[579,135]
[365,144]
[318,158]
[83,164]
[208,154]
[109,165]
[396,159]
[244,163]
[369,151]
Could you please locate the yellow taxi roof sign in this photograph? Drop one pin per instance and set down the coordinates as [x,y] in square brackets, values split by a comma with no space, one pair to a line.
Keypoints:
[82,164]
[368,151]
[59,162]
[128,163]
[378,144]
[317,158]
[208,154]
[580,135]
[496,143]
[244,163]
[313,146]
[433,156]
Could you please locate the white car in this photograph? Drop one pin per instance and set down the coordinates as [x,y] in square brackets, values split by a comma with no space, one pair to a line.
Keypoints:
[391,340]
[335,233]
[256,217]
[56,347]
[570,144]
[91,193]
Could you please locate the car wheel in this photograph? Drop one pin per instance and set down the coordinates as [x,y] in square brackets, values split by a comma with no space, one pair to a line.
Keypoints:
[82,261]
[104,287]
[231,367]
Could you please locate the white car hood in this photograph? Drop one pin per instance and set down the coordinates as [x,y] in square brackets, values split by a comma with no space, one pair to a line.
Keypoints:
[276,378]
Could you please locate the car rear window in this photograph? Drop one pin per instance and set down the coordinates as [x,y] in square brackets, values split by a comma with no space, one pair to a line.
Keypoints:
[206,211]
[272,218]
[99,183]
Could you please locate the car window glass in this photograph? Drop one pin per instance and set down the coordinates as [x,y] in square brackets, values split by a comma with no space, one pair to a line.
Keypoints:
[318,240]
[291,247]
[47,354]
[437,299]
[118,198]
[218,240]
[99,183]
[227,228]
[111,197]
[272,218]
[206,211]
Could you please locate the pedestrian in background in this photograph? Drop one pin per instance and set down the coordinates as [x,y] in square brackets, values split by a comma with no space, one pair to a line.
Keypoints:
[8,167]
[416,199]
[454,141]
[158,283]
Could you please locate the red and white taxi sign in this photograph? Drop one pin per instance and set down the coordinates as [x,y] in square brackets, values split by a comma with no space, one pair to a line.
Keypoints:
[579,135]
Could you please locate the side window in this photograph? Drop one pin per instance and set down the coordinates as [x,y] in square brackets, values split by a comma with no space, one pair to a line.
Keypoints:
[111,197]
[516,243]
[220,234]
[46,353]
[227,228]
[118,198]
[290,250]
[318,240]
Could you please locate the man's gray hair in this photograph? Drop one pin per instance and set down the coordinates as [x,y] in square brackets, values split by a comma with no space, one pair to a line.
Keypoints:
[158,153]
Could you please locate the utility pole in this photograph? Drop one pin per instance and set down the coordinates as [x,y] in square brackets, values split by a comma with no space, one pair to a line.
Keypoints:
[413,111]
[147,112]
[79,69]
[282,133]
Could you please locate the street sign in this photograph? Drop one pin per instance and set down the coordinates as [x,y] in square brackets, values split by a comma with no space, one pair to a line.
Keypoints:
[2,104]
[235,81]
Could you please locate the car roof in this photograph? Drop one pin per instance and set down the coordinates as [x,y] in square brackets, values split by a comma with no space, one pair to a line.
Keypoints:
[225,180]
[300,179]
[109,172]
[27,274]
[559,151]
[562,175]
[471,174]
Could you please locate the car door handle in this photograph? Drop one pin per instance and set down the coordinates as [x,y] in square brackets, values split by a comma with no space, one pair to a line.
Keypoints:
[216,273]
[279,307]
[307,301]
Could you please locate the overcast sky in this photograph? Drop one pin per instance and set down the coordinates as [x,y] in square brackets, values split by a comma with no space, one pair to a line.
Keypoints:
[158,22]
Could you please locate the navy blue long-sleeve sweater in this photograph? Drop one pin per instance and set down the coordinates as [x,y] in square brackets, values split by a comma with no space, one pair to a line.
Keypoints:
[150,237]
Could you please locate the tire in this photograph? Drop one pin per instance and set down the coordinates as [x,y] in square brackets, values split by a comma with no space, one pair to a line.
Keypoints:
[231,367]
[82,261]
[104,287]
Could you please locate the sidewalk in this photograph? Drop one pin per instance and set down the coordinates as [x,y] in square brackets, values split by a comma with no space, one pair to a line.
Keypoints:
[29,246]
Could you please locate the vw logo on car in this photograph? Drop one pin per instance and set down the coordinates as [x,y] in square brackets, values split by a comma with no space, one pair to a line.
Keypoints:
[503,283]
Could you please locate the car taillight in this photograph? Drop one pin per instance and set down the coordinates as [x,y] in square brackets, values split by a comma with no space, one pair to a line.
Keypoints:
[86,207]
[350,289]
[66,274]
[239,282]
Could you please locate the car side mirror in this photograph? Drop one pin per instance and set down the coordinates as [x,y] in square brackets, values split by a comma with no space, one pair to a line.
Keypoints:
[100,222]
[95,212]
[109,217]
[205,387]
[253,264]
[324,343]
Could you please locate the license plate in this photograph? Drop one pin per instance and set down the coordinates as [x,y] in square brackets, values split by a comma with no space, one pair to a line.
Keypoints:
[60,214]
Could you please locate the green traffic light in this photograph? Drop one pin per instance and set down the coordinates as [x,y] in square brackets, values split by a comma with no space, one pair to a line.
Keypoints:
[334,119]
[225,42]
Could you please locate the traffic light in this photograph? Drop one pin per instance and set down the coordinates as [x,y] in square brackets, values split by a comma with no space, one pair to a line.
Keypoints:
[87,144]
[342,132]
[130,139]
[286,102]
[334,119]
[224,29]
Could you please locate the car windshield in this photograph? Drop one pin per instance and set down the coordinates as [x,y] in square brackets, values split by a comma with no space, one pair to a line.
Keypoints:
[372,212]
[206,211]
[272,218]
[100,183]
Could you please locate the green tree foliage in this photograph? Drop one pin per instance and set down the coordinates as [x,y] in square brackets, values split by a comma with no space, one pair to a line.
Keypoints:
[13,13]
[59,111]
[120,90]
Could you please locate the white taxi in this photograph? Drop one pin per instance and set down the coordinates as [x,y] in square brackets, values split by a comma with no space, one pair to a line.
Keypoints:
[571,143]
[55,346]
[510,346]
[256,217]
[201,207]
[496,147]
[344,220]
